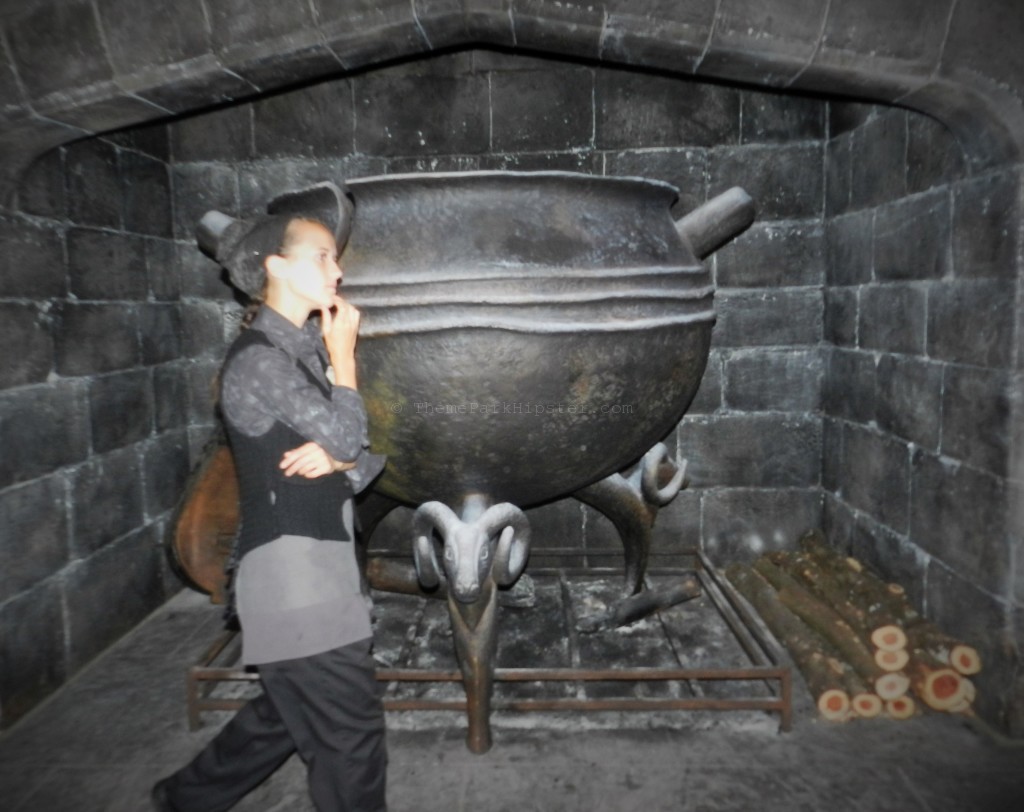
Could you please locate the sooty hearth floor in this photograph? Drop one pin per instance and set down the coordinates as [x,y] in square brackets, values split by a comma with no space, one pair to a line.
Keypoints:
[100,742]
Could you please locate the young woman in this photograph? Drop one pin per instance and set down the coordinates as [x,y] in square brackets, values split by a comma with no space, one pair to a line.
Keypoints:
[297,429]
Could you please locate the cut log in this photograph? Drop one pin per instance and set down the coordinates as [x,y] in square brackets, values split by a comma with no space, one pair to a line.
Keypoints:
[946,649]
[867,705]
[892,660]
[829,680]
[638,606]
[889,637]
[824,620]
[810,574]
[939,687]
[902,707]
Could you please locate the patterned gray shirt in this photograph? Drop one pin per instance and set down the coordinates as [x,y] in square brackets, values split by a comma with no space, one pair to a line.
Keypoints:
[298,596]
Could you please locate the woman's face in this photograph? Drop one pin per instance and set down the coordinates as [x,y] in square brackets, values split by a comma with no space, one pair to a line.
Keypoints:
[311,271]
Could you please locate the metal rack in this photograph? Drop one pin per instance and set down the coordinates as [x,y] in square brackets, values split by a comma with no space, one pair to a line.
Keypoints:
[219,664]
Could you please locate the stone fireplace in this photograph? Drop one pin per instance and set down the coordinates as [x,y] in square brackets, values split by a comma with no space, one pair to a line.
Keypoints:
[864,368]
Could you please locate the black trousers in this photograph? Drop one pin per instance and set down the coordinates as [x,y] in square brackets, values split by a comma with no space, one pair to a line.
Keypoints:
[328,707]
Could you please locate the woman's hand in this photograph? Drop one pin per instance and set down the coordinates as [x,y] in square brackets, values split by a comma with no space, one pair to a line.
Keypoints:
[311,461]
[339,326]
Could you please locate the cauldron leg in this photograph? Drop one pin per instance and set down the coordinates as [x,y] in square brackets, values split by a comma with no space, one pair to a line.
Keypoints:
[474,630]
[631,500]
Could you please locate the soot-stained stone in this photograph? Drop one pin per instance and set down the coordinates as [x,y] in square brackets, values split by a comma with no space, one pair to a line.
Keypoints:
[875,476]
[240,22]
[43,428]
[93,184]
[387,124]
[637,110]
[892,318]
[205,83]
[200,277]
[910,398]
[890,556]
[120,409]
[838,175]
[137,40]
[971,322]
[768,317]
[225,134]
[41,190]
[878,160]
[670,36]
[34,259]
[170,397]
[986,217]
[58,46]
[261,181]
[784,181]
[314,121]
[202,397]
[147,195]
[32,663]
[555,527]
[686,169]
[26,331]
[912,238]
[94,338]
[849,387]
[958,514]
[831,454]
[149,139]
[197,190]
[773,380]
[106,266]
[742,523]
[848,249]
[779,117]
[542,110]
[162,269]
[751,450]
[160,330]
[361,32]
[841,315]
[543,162]
[34,543]
[126,575]
[166,467]
[976,417]
[107,497]
[933,155]
[773,254]
[568,27]
[709,395]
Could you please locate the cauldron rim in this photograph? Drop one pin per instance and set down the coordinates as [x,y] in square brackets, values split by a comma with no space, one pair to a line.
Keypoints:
[492,173]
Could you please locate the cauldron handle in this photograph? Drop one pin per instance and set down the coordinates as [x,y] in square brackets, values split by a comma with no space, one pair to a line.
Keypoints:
[710,226]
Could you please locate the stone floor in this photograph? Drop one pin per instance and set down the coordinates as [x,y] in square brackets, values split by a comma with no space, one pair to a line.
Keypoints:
[100,742]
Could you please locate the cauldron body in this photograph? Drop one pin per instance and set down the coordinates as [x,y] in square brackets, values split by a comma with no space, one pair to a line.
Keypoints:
[523,334]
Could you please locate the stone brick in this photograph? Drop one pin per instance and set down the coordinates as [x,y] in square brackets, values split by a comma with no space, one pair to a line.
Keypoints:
[757,451]
[363,33]
[162,269]
[555,528]
[785,181]
[150,139]
[586,162]
[773,380]
[448,163]
[838,175]
[686,169]
[770,117]
[848,249]
[106,266]
[635,110]
[910,399]
[212,84]
[841,316]
[239,22]
[768,317]
[386,124]
[224,134]
[137,41]
[933,155]
[165,468]
[677,531]
[34,544]
[912,238]
[26,331]
[986,217]
[260,181]
[958,515]
[160,328]
[200,378]
[571,27]
[93,184]
[893,318]
[878,160]
[41,190]
[42,428]
[773,255]
[197,189]
[199,276]
[675,43]
[202,325]
[120,409]
[838,522]
[976,418]
[971,322]
[32,662]
[147,195]
[107,498]
[110,593]
[170,397]
[547,110]
[875,476]
[34,259]
[849,387]
[47,58]
[741,523]
[709,395]
[314,120]
[831,454]
[95,338]
[891,557]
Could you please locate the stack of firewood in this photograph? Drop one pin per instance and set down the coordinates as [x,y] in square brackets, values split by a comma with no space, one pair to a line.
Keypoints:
[860,645]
